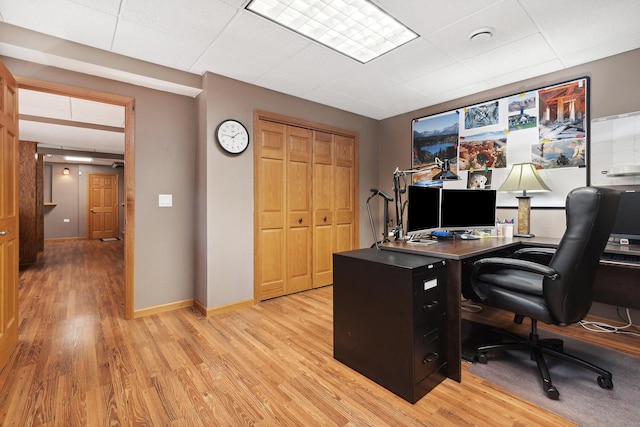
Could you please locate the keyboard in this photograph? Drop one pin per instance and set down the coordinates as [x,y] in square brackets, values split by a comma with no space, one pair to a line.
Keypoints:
[624,259]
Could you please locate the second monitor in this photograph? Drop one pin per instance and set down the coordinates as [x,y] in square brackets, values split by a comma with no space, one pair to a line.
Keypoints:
[466,209]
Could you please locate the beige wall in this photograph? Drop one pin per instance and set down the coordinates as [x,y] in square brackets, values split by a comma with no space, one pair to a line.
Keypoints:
[614,90]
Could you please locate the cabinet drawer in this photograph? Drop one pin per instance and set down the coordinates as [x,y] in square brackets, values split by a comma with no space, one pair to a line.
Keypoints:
[429,357]
[428,298]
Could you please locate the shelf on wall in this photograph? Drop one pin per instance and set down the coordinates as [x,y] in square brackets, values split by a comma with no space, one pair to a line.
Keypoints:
[50,204]
[630,170]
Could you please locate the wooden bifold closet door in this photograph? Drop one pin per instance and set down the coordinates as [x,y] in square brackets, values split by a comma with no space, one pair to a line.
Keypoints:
[305,181]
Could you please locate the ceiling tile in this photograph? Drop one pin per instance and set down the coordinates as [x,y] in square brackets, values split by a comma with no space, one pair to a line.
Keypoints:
[72,138]
[428,16]
[157,47]
[515,56]
[99,113]
[417,59]
[267,44]
[62,18]
[455,38]
[441,80]
[194,21]
[34,103]
[107,6]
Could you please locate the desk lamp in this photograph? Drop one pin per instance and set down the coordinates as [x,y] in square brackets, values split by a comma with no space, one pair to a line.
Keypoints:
[523,177]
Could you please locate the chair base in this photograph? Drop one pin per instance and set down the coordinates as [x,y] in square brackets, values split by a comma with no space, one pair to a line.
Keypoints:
[537,348]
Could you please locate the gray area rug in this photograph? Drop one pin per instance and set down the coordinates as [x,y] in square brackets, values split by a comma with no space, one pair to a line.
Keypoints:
[581,398]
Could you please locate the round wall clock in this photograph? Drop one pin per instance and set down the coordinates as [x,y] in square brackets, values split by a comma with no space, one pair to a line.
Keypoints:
[232,136]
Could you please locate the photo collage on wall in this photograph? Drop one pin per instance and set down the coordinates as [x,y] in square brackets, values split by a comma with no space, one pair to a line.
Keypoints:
[479,143]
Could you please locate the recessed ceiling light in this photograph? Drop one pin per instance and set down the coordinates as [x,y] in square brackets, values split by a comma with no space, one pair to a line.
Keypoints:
[481,35]
[356,28]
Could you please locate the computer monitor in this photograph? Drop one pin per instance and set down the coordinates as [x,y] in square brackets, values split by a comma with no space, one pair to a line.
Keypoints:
[423,209]
[627,224]
[467,209]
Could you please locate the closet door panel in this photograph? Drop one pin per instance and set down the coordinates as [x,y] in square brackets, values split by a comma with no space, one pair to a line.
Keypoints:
[345,209]
[299,175]
[270,268]
[323,211]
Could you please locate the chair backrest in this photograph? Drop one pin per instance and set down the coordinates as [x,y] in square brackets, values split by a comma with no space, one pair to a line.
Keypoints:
[590,213]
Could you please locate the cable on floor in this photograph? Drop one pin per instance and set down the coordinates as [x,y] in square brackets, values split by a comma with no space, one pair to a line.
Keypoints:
[602,327]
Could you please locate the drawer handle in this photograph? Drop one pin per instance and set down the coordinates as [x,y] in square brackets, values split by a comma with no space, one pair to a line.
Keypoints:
[324,219]
[431,357]
[429,305]
[300,220]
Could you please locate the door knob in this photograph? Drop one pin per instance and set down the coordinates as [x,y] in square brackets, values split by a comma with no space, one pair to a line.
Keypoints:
[324,218]
[4,232]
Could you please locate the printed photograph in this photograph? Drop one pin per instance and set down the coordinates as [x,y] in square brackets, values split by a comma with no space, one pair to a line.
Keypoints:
[482,115]
[521,102]
[435,137]
[563,111]
[486,150]
[560,153]
[479,180]
[522,121]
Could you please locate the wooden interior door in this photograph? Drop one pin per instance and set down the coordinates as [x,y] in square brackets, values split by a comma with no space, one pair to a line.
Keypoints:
[345,197]
[9,228]
[323,197]
[299,230]
[102,200]
[270,210]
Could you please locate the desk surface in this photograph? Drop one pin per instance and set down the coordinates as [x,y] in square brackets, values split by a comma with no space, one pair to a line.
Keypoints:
[459,249]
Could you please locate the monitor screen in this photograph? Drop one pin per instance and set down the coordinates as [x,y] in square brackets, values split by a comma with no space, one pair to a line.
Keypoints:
[467,209]
[627,224]
[423,209]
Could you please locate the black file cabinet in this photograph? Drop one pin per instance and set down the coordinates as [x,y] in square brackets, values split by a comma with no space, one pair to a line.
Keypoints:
[389,318]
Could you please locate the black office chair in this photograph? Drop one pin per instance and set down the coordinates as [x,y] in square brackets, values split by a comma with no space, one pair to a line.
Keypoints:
[558,292]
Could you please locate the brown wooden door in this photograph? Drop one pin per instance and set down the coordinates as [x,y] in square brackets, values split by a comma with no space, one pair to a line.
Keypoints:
[345,197]
[270,210]
[323,199]
[298,209]
[9,233]
[102,200]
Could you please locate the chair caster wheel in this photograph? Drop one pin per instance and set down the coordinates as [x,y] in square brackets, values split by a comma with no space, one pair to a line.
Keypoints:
[482,358]
[552,392]
[605,382]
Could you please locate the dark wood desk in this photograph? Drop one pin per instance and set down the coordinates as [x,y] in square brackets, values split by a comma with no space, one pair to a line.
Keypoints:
[615,284]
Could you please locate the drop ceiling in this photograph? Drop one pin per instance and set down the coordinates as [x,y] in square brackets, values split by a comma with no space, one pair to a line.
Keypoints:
[530,38]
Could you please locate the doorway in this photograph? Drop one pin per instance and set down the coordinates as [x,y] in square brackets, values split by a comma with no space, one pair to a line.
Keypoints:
[128,104]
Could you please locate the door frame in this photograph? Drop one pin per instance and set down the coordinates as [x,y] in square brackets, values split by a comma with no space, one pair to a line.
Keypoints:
[129,123]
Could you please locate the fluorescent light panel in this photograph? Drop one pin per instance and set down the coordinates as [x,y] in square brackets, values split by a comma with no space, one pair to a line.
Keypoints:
[78,159]
[356,28]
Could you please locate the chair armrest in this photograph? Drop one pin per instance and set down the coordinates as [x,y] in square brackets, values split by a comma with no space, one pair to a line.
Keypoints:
[518,264]
[541,255]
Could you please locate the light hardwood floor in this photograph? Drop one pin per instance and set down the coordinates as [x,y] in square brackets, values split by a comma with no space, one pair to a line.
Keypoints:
[79,363]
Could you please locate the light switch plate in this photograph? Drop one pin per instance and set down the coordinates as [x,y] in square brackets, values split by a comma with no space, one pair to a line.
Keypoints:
[165,200]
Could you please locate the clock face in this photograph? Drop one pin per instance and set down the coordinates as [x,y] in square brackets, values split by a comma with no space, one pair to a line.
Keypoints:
[232,136]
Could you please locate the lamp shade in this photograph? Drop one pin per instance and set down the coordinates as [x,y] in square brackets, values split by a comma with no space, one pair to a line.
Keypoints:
[523,177]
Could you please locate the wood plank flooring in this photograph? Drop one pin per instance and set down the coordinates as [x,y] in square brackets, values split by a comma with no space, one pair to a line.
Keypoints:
[79,363]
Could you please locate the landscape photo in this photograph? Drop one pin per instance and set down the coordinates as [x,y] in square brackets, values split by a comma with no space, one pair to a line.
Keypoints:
[482,151]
